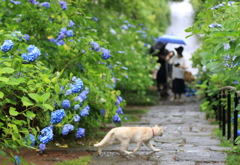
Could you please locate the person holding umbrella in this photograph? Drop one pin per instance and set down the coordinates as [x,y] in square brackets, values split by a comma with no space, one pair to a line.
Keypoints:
[179,66]
[162,75]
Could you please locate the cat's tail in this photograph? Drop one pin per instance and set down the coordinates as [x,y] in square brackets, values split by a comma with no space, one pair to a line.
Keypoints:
[105,139]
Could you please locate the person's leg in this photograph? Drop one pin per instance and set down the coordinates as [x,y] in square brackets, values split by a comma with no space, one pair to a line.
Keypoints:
[174,97]
[179,98]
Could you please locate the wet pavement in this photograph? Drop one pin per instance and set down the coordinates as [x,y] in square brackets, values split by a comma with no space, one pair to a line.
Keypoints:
[187,139]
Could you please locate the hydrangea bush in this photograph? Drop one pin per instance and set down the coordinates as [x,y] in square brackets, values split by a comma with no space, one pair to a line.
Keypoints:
[59,70]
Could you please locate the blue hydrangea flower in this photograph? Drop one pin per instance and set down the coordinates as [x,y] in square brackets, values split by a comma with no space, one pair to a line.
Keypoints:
[74,78]
[68,92]
[60,36]
[116,119]
[67,128]
[105,54]
[95,46]
[17,160]
[236,82]
[60,43]
[80,132]
[102,112]
[32,55]
[117,102]
[217,6]
[42,147]
[46,135]
[85,111]
[125,27]
[94,18]
[31,138]
[76,118]
[66,104]
[119,110]
[63,30]
[124,68]
[76,107]
[26,37]
[57,116]
[34,2]
[45,4]
[114,80]
[7,45]
[215,25]
[120,98]
[63,5]
[71,23]
[77,87]
[82,96]
[17,34]
[69,33]
[15,2]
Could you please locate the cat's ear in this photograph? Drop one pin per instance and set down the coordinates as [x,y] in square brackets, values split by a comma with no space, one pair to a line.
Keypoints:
[156,125]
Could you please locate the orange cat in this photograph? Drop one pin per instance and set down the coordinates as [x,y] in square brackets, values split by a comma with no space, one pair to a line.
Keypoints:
[128,135]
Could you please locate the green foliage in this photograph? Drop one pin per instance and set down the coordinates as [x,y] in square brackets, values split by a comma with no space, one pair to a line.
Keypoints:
[217,58]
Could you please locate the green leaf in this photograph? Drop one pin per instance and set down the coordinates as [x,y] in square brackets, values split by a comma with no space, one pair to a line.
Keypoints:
[238,107]
[7,70]
[57,88]
[46,96]
[13,81]
[30,114]
[26,102]
[2,153]
[4,79]
[47,80]
[47,106]
[214,65]
[34,96]
[237,51]
[1,95]
[13,111]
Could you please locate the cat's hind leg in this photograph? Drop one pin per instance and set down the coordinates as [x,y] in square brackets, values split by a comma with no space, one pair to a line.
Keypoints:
[149,144]
[107,143]
[124,145]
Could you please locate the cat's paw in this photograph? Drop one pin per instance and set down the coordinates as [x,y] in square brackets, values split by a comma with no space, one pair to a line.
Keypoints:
[127,152]
[156,150]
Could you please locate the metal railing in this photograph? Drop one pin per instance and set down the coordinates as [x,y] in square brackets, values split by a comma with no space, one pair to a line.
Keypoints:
[223,113]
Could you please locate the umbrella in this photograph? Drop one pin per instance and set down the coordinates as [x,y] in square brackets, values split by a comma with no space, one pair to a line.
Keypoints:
[168,38]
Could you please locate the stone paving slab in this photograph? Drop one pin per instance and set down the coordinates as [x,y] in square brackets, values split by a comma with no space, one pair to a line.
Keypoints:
[201,156]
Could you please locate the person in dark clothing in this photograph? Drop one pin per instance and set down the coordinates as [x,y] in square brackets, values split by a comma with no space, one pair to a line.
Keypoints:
[162,75]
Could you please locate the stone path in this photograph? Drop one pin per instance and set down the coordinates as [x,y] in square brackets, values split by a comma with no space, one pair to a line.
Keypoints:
[187,139]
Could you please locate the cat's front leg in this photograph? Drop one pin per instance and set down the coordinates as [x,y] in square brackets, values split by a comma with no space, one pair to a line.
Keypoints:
[124,145]
[149,144]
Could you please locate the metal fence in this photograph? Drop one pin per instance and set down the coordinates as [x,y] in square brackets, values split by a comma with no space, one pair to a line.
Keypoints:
[225,113]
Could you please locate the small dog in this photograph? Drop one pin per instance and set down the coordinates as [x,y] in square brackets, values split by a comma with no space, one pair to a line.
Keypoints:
[128,135]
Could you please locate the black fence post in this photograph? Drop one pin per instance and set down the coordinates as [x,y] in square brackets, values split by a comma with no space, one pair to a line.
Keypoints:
[229,114]
[223,115]
[220,110]
[235,119]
